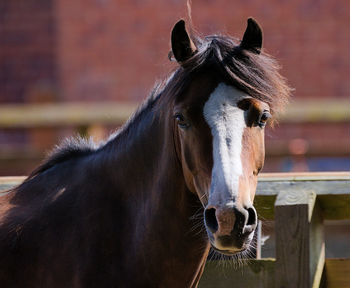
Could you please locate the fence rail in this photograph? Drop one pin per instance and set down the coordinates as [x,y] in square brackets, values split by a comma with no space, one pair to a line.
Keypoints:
[299,203]
[82,114]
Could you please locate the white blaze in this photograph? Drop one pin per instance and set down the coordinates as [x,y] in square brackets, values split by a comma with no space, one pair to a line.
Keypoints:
[227,123]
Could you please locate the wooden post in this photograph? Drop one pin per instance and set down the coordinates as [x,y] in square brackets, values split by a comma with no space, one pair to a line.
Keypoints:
[258,240]
[300,251]
[255,251]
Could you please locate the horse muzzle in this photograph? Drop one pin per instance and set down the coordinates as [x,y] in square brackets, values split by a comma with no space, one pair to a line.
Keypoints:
[230,229]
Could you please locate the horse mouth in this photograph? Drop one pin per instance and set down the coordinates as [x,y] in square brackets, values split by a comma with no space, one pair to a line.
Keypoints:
[226,252]
[231,245]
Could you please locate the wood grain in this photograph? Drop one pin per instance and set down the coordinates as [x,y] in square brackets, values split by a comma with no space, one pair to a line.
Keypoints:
[250,274]
[261,272]
[292,248]
[332,190]
[338,273]
[300,250]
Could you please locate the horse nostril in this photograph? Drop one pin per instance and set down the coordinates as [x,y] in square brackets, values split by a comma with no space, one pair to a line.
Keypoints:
[210,220]
[251,216]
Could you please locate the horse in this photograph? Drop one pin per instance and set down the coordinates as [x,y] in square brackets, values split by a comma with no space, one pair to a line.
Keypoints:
[122,213]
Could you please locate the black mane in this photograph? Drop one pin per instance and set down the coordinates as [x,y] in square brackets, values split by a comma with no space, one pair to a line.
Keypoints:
[255,74]
[70,148]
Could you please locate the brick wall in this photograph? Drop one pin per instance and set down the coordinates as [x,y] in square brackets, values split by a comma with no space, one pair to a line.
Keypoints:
[113,49]
[310,38]
[27,50]
[116,49]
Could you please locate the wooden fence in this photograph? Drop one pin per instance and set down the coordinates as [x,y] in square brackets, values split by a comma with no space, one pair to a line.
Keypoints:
[299,204]
[84,117]
[44,124]
[104,113]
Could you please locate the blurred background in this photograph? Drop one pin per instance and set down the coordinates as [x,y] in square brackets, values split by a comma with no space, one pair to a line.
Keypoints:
[70,67]
[81,67]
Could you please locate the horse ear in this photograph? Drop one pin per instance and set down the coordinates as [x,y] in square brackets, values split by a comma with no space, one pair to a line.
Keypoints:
[252,38]
[182,46]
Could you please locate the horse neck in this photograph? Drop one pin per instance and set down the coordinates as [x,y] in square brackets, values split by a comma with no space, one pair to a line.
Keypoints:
[144,154]
[154,189]
[141,147]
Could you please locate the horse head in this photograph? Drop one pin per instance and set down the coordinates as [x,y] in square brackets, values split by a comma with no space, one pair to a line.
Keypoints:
[219,120]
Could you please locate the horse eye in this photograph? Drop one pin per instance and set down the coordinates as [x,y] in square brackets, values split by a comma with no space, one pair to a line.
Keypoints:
[180,119]
[265,115]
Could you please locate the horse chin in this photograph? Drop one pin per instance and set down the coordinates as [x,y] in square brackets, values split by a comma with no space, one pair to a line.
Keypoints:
[227,252]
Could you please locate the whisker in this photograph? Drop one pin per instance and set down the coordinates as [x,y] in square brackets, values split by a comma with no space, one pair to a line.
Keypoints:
[204,195]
